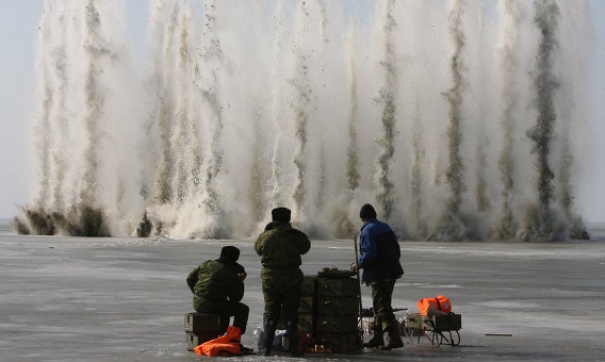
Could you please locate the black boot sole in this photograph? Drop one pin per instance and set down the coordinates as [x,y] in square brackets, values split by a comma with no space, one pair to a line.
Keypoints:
[388,348]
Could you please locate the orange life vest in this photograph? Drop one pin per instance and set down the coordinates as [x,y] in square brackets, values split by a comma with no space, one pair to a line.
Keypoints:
[228,344]
[439,303]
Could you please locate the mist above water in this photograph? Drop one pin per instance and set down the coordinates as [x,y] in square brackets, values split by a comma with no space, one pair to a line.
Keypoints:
[457,120]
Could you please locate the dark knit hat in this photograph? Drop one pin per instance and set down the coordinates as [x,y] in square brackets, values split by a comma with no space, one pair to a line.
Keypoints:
[281,214]
[230,253]
[367,212]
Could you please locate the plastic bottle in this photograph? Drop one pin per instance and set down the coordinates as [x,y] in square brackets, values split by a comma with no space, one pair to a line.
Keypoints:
[260,333]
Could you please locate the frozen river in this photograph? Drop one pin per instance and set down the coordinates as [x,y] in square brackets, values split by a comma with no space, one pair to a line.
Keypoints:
[121,299]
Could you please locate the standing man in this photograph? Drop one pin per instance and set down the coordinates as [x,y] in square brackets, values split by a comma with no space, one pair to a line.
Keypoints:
[379,259]
[280,247]
[218,287]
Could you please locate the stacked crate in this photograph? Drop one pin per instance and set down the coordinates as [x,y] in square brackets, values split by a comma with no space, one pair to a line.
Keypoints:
[329,312]
[200,328]
[336,323]
[306,308]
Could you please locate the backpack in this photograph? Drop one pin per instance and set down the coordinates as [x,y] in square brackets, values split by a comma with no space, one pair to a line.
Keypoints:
[440,303]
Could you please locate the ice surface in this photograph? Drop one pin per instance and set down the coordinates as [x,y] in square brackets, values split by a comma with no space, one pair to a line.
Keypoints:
[123,299]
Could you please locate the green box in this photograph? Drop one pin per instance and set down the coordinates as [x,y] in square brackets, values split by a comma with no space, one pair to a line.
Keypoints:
[339,342]
[306,304]
[338,305]
[449,322]
[308,286]
[336,324]
[342,287]
[305,322]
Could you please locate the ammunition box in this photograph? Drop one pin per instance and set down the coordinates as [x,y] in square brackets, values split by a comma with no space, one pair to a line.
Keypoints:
[342,287]
[305,322]
[308,286]
[449,322]
[306,304]
[339,342]
[338,305]
[336,324]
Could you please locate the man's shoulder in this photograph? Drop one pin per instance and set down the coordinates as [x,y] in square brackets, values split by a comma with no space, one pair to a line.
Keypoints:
[298,233]
[284,229]
[376,226]
[236,267]
[211,265]
[207,262]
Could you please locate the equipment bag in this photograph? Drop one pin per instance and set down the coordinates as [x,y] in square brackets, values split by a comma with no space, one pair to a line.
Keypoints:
[229,344]
[440,303]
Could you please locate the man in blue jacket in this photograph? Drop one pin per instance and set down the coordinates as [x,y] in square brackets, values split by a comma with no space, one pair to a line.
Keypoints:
[379,259]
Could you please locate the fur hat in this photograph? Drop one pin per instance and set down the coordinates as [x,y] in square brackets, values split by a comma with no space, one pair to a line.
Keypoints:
[281,214]
[230,253]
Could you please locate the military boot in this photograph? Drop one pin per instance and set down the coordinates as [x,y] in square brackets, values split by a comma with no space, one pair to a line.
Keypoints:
[376,341]
[394,337]
[269,336]
[295,350]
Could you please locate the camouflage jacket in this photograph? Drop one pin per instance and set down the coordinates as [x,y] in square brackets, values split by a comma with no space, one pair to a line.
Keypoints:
[213,283]
[280,249]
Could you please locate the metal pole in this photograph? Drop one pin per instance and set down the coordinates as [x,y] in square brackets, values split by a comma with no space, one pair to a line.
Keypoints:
[360,318]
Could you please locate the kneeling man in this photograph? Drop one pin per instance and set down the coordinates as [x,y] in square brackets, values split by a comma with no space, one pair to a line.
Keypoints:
[218,288]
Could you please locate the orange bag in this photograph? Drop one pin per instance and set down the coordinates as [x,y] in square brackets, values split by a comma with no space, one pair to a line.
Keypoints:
[439,303]
[228,344]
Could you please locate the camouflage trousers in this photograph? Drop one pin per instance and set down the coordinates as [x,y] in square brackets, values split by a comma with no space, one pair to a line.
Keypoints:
[239,311]
[382,293]
[281,300]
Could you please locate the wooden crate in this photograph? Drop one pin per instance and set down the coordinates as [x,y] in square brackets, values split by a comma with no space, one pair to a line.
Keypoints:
[414,321]
[203,323]
[193,340]
[449,322]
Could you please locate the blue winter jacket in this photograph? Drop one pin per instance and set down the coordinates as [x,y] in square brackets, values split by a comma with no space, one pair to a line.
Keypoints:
[379,253]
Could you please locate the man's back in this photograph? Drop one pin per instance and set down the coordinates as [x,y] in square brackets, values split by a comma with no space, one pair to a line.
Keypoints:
[215,283]
[282,246]
[380,252]
[218,288]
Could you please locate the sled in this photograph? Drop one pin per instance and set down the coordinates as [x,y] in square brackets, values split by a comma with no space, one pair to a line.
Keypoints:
[436,329]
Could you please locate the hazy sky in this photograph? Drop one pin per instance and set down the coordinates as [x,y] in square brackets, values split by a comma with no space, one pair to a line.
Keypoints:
[18,26]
